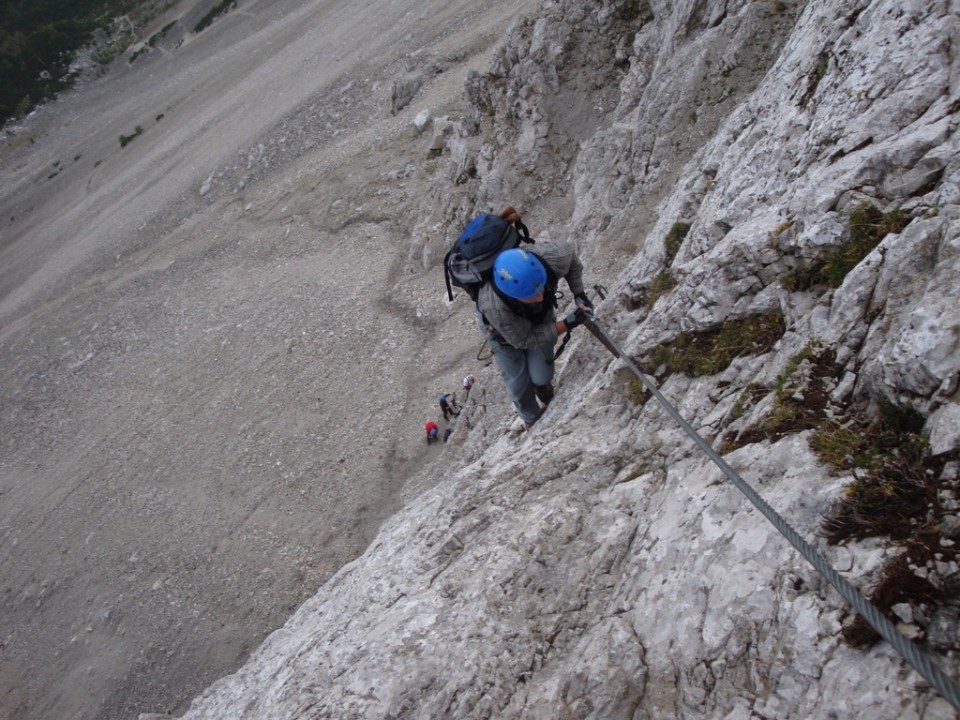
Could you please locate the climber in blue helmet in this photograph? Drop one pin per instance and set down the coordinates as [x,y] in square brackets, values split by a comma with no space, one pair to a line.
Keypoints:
[517,314]
[519,274]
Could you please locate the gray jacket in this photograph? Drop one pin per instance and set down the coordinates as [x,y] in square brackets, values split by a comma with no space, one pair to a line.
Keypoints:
[519,331]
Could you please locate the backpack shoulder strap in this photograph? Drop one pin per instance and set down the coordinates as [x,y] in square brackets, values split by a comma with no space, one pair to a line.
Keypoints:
[446,273]
[553,279]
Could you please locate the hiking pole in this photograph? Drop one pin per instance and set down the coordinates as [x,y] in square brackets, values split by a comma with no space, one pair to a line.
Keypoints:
[916,657]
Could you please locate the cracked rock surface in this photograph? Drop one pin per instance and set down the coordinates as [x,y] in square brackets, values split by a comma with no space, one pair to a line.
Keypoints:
[597,566]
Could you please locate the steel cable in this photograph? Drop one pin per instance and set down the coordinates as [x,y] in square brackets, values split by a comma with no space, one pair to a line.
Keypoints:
[917,658]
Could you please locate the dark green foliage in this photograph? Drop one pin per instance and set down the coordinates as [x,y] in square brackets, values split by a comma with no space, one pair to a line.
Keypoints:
[37,42]
[157,36]
[216,11]
[674,239]
[125,139]
[637,392]
[710,352]
[152,42]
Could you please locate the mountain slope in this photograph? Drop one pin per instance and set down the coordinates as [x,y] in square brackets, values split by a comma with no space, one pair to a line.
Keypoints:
[209,398]
[599,566]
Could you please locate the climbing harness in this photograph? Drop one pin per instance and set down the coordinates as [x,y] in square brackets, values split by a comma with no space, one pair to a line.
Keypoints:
[917,658]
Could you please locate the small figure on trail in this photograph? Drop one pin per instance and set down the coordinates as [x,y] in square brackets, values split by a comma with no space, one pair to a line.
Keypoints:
[445,407]
[468,382]
[433,432]
[449,406]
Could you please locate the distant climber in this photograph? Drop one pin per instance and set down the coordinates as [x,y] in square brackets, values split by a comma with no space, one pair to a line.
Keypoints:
[468,382]
[433,432]
[449,406]
[516,311]
[445,407]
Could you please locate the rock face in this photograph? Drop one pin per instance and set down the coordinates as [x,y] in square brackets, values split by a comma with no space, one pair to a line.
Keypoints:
[600,566]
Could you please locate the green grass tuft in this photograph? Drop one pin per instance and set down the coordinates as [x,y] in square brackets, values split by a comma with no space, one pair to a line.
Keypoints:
[674,239]
[661,285]
[868,226]
[892,467]
[637,392]
[712,351]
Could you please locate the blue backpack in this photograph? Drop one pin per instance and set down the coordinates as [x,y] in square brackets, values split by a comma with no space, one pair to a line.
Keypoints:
[469,263]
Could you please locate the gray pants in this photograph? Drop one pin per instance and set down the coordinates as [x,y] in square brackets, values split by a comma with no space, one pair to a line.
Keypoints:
[521,370]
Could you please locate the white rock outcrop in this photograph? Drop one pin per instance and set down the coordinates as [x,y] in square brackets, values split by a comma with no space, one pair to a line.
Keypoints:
[600,566]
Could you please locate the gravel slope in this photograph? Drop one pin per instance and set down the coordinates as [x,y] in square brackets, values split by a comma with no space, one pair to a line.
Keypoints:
[212,388]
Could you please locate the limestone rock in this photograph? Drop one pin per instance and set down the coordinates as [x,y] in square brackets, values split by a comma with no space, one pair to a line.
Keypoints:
[403,92]
[943,427]
[599,563]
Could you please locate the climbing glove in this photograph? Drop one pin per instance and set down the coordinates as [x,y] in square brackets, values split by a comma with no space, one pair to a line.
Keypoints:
[582,300]
[577,317]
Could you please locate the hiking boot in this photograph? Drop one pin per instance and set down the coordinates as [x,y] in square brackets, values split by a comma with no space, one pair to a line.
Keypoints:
[519,426]
[528,424]
[516,427]
[544,393]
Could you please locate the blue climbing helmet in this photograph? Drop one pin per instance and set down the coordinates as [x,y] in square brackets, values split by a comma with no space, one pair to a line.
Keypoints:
[519,274]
